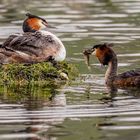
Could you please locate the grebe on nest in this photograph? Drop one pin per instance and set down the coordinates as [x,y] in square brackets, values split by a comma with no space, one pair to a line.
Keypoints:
[34,45]
[107,56]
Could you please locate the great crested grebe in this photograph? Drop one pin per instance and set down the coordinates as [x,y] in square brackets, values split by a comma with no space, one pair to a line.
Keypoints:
[34,45]
[107,56]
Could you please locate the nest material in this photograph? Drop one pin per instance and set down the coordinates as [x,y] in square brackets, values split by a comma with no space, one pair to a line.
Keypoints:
[45,71]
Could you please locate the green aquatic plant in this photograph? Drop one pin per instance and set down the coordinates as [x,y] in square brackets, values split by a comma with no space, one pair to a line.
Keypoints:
[40,72]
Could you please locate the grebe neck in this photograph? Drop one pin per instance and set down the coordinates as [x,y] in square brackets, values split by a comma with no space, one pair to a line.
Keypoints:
[111,72]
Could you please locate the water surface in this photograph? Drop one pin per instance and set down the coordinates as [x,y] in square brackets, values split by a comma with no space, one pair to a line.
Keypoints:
[84,109]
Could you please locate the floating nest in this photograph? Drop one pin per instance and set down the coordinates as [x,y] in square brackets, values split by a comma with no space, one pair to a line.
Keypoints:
[40,72]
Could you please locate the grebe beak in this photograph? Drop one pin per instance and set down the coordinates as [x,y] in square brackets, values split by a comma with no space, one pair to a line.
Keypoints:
[45,23]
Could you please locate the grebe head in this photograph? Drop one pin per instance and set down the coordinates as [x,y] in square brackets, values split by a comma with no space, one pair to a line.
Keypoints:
[34,23]
[103,52]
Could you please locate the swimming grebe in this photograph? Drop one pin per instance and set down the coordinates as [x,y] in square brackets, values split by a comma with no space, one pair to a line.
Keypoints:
[33,45]
[107,56]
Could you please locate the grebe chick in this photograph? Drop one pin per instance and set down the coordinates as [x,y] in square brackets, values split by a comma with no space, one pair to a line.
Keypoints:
[107,56]
[34,42]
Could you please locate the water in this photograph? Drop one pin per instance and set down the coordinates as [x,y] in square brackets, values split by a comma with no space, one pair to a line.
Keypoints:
[84,109]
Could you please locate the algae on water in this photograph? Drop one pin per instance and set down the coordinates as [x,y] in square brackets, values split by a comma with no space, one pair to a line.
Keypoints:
[45,71]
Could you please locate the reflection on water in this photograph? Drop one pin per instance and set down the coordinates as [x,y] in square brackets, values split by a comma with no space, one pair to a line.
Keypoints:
[44,113]
[85,109]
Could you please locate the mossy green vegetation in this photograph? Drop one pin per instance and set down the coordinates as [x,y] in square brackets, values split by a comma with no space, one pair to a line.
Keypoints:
[40,72]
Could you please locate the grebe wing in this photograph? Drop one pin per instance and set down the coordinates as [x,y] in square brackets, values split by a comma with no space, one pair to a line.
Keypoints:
[32,43]
[9,40]
[129,78]
[131,73]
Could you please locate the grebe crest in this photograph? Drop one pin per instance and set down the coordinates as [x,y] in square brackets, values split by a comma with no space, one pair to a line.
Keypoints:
[104,53]
[34,23]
